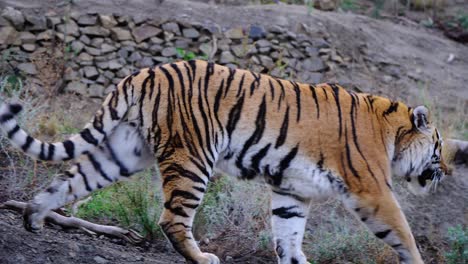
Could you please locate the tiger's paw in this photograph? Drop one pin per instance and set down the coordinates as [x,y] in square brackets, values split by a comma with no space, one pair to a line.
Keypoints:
[31,218]
[208,258]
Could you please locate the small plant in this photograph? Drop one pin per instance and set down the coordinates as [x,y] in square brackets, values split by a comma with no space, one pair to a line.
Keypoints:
[458,237]
[462,19]
[349,5]
[189,55]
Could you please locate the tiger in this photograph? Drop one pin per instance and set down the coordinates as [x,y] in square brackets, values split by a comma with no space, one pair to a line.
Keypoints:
[306,142]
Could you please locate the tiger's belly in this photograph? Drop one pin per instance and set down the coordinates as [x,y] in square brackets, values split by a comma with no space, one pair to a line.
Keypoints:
[301,176]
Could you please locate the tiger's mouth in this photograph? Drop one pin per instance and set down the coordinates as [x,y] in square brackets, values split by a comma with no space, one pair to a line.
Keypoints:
[433,176]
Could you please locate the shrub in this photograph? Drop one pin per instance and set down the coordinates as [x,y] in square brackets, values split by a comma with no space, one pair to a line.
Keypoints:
[458,238]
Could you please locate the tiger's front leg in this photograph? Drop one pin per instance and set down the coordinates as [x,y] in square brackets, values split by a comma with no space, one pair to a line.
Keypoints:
[289,216]
[384,217]
[184,185]
[122,155]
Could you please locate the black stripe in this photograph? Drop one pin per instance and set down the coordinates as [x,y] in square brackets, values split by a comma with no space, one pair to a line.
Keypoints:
[69,148]
[241,85]
[85,179]
[383,234]
[314,95]
[97,166]
[182,172]
[42,153]
[51,152]
[257,158]
[282,95]
[88,137]
[393,108]
[27,144]
[230,78]
[284,130]
[234,115]
[6,117]
[336,91]
[12,132]
[15,108]
[123,170]
[286,213]
[255,83]
[272,89]
[253,139]
[348,156]
[297,90]
[277,177]
[179,210]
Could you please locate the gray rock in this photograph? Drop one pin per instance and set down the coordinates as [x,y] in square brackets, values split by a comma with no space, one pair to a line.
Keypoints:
[106,48]
[145,62]
[124,72]
[145,32]
[109,74]
[169,52]
[85,39]
[172,27]
[14,16]
[120,34]
[28,68]
[95,31]
[93,51]
[28,47]
[136,56]
[7,35]
[226,57]
[320,43]
[97,90]
[77,46]
[235,33]
[103,65]
[266,61]
[142,46]
[190,33]
[110,88]
[311,77]
[107,21]
[262,43]
[264,50]
[242,50]
[206,48]
[71,75]
[291,35]
[139,19]
[70,28]
[4,22]
[83,57]
[87,20]
[36,22]
[277,29]
[257,32]
[160,59]
[155,48]
[27,37]
[66,39]
[314,65]
[123,53]
[91,72]
[114,65]
[77,87]
[156,40]
[52,21]
[182,43]
[97,42]
[312,51]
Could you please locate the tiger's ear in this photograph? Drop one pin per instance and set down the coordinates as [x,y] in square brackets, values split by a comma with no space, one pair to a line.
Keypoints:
[421,118]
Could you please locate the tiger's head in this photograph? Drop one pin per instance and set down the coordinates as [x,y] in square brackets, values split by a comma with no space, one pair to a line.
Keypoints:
[418,153]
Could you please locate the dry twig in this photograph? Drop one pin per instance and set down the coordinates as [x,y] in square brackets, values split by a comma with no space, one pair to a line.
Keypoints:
[78,223]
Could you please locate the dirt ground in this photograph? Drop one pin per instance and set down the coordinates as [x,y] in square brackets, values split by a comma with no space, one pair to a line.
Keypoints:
[392,57]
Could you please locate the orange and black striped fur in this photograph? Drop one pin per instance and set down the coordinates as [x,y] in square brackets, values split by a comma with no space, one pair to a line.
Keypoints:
[306,141]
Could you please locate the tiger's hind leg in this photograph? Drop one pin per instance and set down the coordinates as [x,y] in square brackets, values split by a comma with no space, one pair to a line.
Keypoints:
[289,216]
[124,153]
[383,216]
[184,184]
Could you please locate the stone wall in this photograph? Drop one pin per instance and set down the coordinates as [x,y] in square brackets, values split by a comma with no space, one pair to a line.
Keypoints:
[98,50]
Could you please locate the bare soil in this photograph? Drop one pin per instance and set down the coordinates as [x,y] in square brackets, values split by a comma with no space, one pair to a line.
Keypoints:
[395,58]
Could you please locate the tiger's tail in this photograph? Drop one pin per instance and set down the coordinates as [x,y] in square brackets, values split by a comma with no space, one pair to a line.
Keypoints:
[113,109]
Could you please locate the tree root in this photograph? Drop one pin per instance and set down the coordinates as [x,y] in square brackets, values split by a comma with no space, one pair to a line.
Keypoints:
[73,222]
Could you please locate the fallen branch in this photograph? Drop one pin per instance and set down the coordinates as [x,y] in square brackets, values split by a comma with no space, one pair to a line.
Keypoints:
[78,223]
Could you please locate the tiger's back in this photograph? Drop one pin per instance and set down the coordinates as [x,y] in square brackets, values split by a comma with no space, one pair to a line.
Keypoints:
[306,141]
